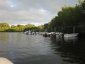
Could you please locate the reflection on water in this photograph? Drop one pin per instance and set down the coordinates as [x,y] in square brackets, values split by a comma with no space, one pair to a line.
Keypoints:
[72,50]
[29,49]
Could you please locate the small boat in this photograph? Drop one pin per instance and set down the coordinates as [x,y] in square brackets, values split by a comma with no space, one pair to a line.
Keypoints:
[71,35]
[26,32]
[74,34]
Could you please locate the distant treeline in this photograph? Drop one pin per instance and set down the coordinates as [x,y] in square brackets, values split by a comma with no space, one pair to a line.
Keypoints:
[5,27]
[68,18]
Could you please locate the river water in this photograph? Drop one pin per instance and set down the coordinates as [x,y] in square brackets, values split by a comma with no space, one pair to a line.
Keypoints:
[36,49]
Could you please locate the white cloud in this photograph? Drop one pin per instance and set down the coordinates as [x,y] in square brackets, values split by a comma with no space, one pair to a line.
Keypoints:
[30,11]
[32,15]
[3,2]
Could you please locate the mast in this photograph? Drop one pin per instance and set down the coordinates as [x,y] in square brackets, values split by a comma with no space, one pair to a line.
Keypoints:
[73,29]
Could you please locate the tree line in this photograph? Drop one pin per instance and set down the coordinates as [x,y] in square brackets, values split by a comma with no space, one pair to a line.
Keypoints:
[68,18]
[5,27]
[64,21]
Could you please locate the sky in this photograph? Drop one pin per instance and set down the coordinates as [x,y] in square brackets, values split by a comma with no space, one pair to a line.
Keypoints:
[35,12]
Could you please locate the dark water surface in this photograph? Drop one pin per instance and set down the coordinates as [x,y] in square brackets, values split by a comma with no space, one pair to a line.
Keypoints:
[30,49]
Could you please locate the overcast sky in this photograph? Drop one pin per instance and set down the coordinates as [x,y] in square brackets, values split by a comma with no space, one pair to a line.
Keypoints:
[31,11]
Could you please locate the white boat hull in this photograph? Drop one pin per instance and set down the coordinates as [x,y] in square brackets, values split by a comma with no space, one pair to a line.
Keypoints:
[5,61]
[71,35]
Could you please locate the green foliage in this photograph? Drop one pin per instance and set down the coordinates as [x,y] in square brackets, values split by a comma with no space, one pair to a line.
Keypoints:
[5,27]
[69,17]
[40,28]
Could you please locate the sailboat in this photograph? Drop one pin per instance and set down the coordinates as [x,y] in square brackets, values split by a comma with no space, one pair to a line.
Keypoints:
[72,34]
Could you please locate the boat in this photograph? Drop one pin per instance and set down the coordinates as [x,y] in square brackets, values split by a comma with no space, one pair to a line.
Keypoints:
[74,34]
[5,61]
[71,35]
[28,32]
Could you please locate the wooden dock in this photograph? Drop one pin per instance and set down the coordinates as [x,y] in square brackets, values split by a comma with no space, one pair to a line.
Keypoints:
[5,61]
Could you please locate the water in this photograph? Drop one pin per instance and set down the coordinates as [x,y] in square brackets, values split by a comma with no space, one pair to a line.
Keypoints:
[36,49]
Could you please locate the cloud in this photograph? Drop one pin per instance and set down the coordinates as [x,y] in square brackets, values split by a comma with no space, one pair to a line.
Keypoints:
[2,2]
[31,11]
[32,15]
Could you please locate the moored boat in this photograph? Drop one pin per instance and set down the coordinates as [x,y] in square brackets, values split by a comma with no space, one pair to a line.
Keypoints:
[71,35]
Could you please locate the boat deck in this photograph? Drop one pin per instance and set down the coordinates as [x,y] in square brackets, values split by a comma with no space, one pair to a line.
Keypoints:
[5,61]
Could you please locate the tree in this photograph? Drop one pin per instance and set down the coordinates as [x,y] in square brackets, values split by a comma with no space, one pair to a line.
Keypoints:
[4,26]
[68,18]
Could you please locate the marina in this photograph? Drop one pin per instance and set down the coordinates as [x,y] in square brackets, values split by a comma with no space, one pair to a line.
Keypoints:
[42,31]
[20,48]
